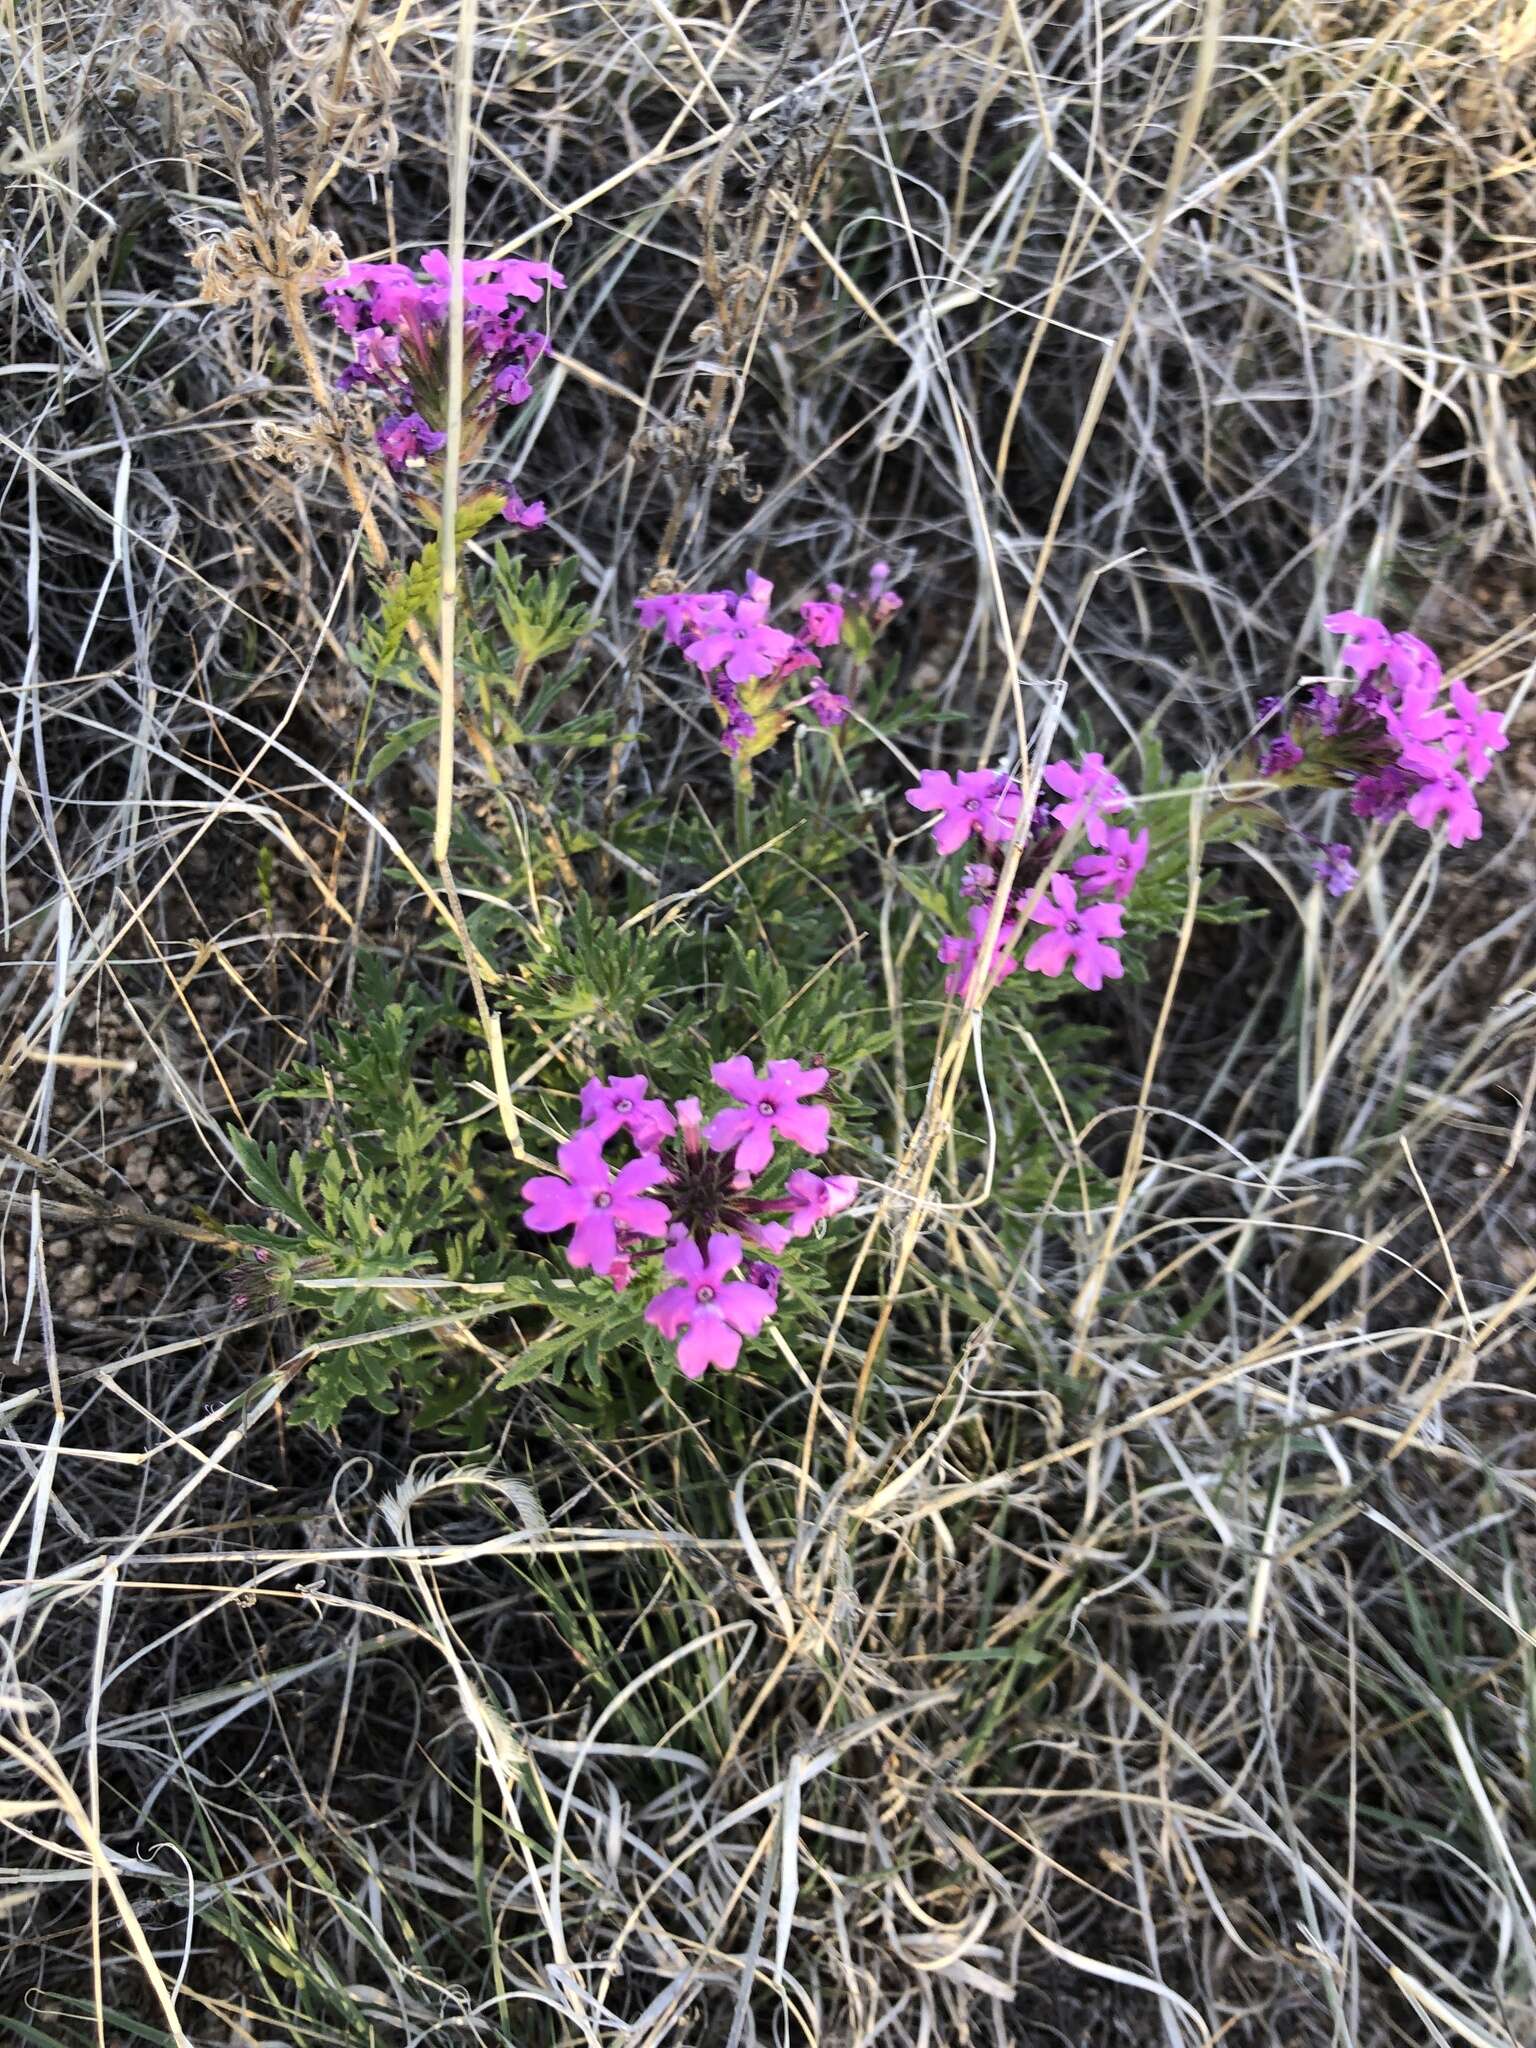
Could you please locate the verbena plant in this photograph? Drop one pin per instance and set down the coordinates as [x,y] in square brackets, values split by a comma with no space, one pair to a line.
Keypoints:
[668,1129]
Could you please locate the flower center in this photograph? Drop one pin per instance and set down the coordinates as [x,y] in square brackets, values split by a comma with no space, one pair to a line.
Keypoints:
[623,1105]
[705,1294]
[767,1109]
[602,1201]
[973,803]
[1071,927]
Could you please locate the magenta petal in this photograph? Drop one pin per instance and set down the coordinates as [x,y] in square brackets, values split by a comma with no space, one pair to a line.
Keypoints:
[951,831]
[1049,954]
[594,1242]
[581,1158]
[795,1079]
[724,1257]
[651,1125]
[806,1124]
[639,1175]
[552,1204]
[708,1341]
[744,1307]
[644,1215]
[710,649]
[737,1077]
[1353,623]
[773,1237]
[730,1125]
[685,1260]
[754,1151]
[669,1311]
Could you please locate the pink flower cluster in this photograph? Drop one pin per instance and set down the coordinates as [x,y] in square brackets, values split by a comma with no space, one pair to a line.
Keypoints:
[732,641]
[1079,906]
[1389,737]
[398,324]
[685,1190]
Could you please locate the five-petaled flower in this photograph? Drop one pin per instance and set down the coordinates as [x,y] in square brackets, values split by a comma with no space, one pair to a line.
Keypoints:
[1389,738]
[597,1201]
[708,1313]
[1446,794]
[772,1106]
[1113,870]
[1089,792]
[977,800]
[735,636]
[731,638]
[1077,936]
[623,1102]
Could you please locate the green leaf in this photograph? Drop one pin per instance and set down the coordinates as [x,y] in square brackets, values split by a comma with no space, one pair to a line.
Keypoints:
[398,743]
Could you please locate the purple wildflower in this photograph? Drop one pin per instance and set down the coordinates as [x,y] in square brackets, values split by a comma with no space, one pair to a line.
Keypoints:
[672,611]
[405,438]
[1416,719]
[739,640]
[759,1273]
[1335,868]
[745,657]
[1091,793]
[964,956]
[977,800]
[1366,641]
[823,622]
[596,1201]
[1446,794]
[830,706]
[740,725]
[623,1102]
[398,326]
[1383,793]
[1323,709]
[1076,937]
[1411,665]
[812,1199]
[772,1106]
[877,603]
[881,601]
[1473,734]
[1113,871]
[1281,757]
[520,514]
[708,1314]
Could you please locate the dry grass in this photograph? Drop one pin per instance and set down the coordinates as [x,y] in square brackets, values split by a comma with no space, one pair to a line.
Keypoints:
[1152,1658]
